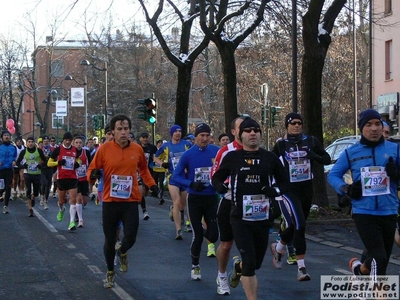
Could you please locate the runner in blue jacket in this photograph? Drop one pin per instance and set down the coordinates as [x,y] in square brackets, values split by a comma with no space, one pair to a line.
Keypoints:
[374,165]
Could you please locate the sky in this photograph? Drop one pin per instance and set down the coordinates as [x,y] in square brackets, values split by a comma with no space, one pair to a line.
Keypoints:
[44,13]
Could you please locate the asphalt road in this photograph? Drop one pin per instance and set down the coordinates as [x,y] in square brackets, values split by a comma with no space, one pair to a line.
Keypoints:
[40,259]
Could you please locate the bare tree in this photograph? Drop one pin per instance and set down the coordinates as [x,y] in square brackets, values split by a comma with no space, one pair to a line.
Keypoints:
[227,38]
[184,56]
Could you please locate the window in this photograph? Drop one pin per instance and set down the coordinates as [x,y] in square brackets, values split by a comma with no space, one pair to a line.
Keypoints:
[57,68]
[57,122]
[388,60]
[388,7]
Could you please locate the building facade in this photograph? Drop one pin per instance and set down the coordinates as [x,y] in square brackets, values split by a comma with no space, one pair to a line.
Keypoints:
[386,59]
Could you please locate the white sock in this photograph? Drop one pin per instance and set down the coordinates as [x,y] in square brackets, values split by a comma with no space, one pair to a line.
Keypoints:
[280,247]
[300,263]
[79,211]
[72,212]
[222,274]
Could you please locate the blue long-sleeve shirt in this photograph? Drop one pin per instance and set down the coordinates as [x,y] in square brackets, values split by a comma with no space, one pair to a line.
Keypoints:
[8,154]
[195,166]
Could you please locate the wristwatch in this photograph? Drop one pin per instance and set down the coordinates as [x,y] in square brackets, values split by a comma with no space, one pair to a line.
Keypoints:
[277,190]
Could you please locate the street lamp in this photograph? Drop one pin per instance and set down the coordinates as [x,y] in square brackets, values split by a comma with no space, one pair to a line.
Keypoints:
[38,125]
[57,123]
[33,122]
[87,63]
[85,98]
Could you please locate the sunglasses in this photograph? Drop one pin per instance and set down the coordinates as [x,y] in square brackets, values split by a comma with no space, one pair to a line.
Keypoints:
[248,130]
[296,123]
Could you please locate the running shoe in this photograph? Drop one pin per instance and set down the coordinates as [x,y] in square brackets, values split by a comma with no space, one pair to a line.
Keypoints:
[72,226]
[41,201]
[302,275]
[211,250]
[92,197]
[31,213]
[5,210]
[45,205]
[195,273]
[60,214]
[161,202]
[171,214]
[179,235]
[234,275]
[109,281]
[223,286]
[354,265]
[54,195]
[122,261]
[80,224]
[276,257]
[146,215]
[291,260]
[188,227]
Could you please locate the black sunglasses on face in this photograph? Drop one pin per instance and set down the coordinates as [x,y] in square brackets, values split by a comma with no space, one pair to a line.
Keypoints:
[248,130]
[296,123]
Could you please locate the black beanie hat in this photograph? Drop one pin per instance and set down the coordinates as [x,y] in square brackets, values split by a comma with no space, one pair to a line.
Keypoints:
[248,123]
[5,132]
[67,136]
[291,116]
[367,115]
[202,127]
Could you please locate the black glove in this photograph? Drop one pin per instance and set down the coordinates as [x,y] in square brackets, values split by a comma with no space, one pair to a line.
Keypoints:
[165,165]
[76,165]
[95,174]
[62,162]
[154,190]
[354,190]
[39,166]
[344,201]
[391,169]
[269,191]
[313,156]
[24,166]
[197,186]
[221,188]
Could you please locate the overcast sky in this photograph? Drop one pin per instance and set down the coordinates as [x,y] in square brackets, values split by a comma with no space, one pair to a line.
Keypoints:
[44,12]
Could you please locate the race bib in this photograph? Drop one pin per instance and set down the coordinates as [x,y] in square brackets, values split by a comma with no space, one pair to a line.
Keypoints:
[121,186]
[69,163]
[202,175]
[33,167]
[2,187]
[299,170]
[374,181]
[175,161]
[255,208]
[81,171]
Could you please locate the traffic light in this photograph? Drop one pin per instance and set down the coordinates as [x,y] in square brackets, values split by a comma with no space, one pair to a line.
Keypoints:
[98,122]
[264,114]
[148,110]
[275,115]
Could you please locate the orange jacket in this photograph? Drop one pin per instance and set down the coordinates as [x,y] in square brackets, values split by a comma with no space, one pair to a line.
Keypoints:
[111,159]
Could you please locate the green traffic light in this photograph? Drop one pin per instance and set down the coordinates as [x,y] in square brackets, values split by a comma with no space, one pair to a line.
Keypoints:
[152,120]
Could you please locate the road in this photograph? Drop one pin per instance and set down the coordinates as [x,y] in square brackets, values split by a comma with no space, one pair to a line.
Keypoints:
[40,259]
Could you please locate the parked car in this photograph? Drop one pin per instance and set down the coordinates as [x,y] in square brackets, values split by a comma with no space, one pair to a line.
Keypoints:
[334,150]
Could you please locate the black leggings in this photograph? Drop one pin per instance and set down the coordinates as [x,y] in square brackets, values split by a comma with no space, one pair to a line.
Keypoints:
[7,176]
[377,235]
[251,239]
[159,178]
[32,180]
[113,212]
[46,179]
[292,211]
[199,206]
